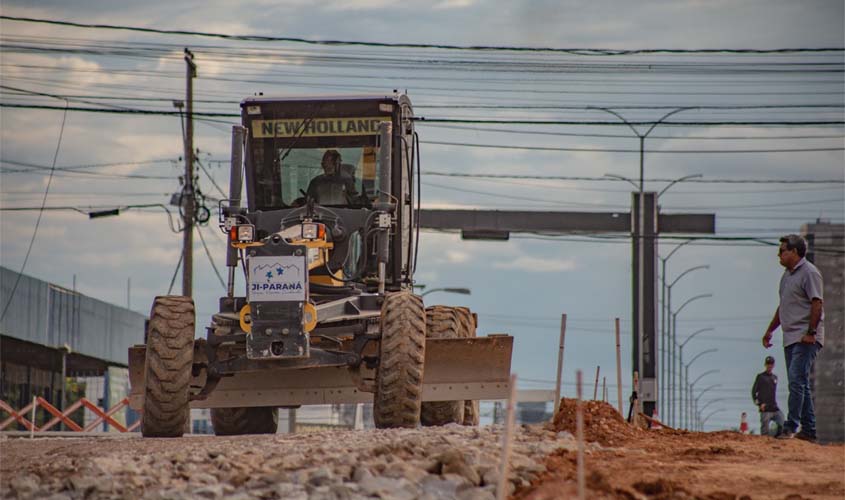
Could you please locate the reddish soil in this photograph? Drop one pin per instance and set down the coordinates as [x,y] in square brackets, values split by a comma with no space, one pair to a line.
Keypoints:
[630,463]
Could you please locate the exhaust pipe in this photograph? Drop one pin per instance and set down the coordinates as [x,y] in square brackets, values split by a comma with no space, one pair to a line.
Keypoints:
[235,185]
[384,198]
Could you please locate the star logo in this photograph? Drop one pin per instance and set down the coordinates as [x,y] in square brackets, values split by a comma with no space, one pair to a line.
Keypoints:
[280,271]
[269,274]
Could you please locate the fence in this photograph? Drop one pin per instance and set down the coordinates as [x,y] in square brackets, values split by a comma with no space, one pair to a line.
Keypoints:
[102,416]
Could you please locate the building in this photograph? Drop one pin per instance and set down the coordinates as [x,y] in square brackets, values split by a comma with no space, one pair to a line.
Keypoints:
[62,345]
[827,251]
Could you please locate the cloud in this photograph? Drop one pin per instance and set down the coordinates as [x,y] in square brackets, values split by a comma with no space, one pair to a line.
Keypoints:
[536,264]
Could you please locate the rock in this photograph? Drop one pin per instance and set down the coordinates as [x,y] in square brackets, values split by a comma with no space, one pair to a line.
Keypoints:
[385,487]
[360,473]
[203,478]
[406,471]
[453,462]
[83,484]
[290,491]
[477,494]
[321,477]
[209,491]
[442,487]
[25,485]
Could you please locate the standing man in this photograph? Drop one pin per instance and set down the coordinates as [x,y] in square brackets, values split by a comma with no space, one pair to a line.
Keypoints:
[800,316]
[764,394]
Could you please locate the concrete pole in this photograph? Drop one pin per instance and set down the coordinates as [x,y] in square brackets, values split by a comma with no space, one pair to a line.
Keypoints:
[188,191]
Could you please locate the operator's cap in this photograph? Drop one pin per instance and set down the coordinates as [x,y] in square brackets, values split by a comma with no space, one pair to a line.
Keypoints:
[770,360]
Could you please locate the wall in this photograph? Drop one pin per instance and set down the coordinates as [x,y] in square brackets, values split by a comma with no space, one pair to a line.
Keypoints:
[827,252]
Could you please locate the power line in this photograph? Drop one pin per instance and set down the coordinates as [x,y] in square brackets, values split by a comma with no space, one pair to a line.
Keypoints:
[634,123]
[612,179]
[629,136]
[572,51]
[210,259]
[38,220]
[614,150]
[133,111]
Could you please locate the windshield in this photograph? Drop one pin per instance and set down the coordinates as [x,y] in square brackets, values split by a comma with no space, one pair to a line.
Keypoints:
[339,177]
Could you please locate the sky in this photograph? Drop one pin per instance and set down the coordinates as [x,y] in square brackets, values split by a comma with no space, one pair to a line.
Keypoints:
[519,287]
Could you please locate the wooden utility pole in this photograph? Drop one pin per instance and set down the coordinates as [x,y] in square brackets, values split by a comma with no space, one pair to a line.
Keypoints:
[188,205]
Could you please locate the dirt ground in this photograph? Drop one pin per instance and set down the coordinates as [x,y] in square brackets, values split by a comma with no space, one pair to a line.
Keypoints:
[624,462]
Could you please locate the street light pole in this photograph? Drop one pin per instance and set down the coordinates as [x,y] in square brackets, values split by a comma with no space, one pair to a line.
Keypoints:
[699,412]
[681,351]
[673,343]
[700,394]
[639,229]
[663,333]
[711,414]
[686,393]
[693,401]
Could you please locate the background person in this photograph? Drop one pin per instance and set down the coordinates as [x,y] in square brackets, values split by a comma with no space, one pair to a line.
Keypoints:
[800,316]
[764,394]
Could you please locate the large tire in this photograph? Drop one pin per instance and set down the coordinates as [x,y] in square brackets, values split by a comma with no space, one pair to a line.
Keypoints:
[442,322]
[399,374]
[238,421]
[167,369]
[471,407]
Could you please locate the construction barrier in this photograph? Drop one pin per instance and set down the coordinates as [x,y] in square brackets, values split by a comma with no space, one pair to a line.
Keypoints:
[59,416]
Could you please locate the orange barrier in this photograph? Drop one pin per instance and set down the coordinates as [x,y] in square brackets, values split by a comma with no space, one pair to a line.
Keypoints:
[59,416]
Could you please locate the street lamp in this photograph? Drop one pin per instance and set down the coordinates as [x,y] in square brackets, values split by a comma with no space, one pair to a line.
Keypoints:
[663,318]
[692,400]
[684,405]
[461,291]
[673,334]
[699,412]
[667,308]
[637,234]
[704,421]
[681,179]
[681,347]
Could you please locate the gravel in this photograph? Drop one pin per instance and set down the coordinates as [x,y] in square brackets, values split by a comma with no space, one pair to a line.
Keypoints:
[433,463]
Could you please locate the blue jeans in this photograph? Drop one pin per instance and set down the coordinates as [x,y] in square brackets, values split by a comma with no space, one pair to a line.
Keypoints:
[766,418]
[799,363]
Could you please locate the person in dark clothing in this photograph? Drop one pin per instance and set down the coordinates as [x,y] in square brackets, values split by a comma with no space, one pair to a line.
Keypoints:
[333,186]
[764,394]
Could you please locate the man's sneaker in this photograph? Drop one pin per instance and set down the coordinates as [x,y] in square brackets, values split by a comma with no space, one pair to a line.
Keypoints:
[806,437]
[786,434]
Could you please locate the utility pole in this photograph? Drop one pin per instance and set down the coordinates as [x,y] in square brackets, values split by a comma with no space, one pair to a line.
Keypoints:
[188,204]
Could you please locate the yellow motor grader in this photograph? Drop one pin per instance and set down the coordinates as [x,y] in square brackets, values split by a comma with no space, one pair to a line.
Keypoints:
[327,243]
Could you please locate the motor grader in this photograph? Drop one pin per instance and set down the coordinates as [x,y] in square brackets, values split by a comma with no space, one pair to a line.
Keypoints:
[327,244]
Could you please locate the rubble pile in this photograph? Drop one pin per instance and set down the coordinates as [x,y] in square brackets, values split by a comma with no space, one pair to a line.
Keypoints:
[602,423]
[434,463]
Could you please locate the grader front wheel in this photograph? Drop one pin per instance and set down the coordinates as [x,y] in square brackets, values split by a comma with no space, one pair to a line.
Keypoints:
[443,322]
[167,370]
[399,375]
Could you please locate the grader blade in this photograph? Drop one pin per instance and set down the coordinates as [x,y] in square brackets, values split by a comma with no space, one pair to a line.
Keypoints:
[466,368]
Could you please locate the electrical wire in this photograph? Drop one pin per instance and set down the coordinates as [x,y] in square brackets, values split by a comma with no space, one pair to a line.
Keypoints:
[37,220]
[613,179]
[210,259]
[573,51]
[650,151]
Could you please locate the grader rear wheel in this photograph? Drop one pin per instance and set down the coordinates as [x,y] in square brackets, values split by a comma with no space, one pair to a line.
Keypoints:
[399,374]
[170,354]
[238,421]
[469,322]
[443,322]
